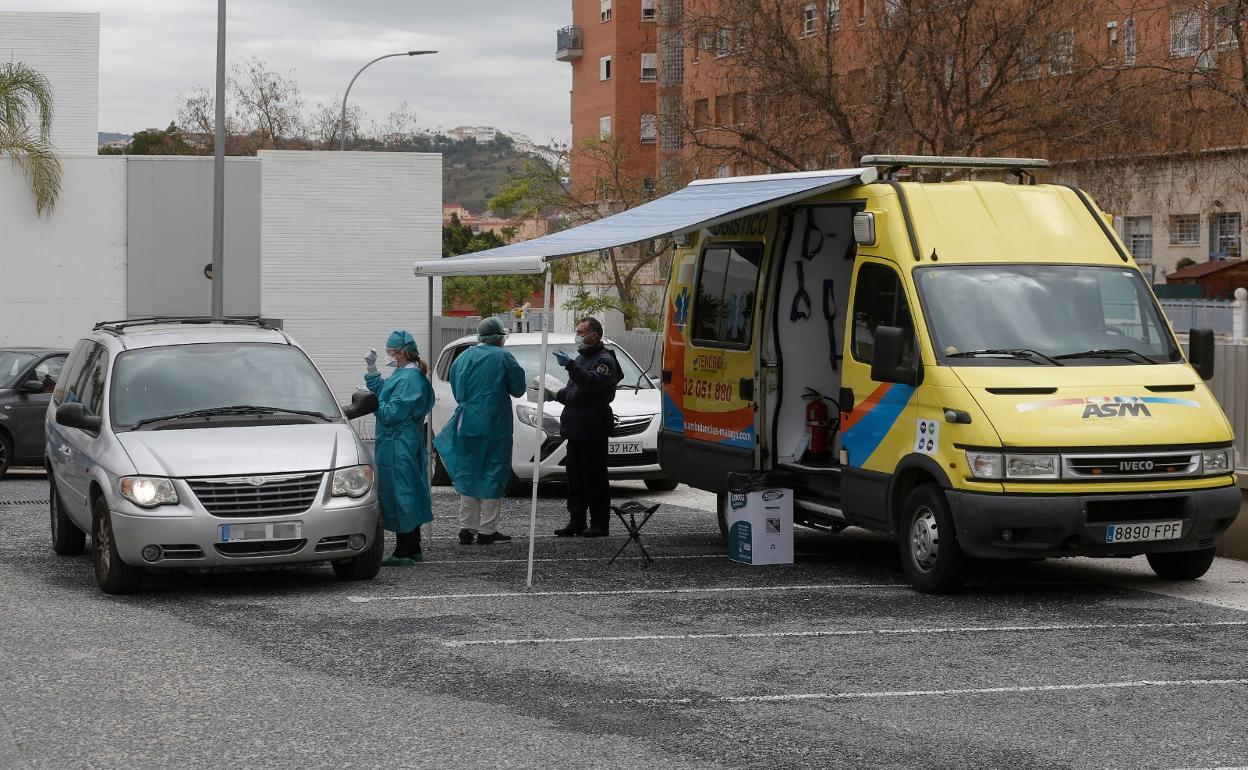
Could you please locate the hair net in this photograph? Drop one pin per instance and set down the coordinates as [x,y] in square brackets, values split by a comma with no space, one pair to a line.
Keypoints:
[490,330]
[405,342]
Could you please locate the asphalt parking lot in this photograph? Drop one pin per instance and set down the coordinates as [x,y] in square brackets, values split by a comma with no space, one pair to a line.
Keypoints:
[693,661]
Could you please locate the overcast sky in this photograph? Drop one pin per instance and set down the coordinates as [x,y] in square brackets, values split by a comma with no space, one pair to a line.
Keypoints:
[496,62]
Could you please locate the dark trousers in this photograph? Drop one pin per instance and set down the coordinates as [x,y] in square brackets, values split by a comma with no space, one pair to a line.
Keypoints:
[587,482]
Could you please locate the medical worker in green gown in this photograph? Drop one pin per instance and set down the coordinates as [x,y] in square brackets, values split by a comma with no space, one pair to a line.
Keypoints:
[475,446]
[404,400]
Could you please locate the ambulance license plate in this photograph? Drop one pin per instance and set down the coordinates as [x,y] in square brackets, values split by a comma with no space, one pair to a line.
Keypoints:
[624,448]
[280,530]
[1145,530]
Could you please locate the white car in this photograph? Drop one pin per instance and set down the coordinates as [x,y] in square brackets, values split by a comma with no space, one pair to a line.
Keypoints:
[633,445]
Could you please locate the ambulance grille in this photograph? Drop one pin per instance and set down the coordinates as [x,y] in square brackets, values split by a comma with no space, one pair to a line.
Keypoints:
[1134,465]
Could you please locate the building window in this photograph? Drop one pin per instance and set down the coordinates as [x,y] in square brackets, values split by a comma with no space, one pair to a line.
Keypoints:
[834,15]
[722,171]
[604,68]
[1128,41]
[862,12]
[604,11]
[649,10]
[1028,61]
[604,127]
[649,67]
[1111,39]
[985,66]
[1184,229]
[1185,32]
[1139,231]
[891,9]
[1224,241]
[649,128]
[723,42]
[723,312]
[1226,25]
[1062,57]
[810,20]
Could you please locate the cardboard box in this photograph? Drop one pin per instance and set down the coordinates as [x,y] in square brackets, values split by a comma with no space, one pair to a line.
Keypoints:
[760,526]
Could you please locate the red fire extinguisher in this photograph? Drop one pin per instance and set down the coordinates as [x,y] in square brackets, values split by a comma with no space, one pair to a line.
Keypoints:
[817,424]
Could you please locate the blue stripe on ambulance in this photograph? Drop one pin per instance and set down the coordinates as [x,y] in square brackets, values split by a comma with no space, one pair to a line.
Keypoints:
[866,435]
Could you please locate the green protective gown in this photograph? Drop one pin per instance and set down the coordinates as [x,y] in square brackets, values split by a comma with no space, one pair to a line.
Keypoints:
[475,446]
[404,401]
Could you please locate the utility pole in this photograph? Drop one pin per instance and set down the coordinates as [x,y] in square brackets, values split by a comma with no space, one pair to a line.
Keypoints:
[218,176]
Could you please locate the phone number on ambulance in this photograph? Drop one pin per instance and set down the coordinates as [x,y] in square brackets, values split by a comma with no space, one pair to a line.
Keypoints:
[719,391]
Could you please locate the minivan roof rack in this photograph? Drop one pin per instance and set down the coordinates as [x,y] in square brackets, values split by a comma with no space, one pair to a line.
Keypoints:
[119,327]
[889,165]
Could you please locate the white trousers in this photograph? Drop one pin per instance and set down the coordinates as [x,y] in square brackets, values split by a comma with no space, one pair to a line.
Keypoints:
[479,515]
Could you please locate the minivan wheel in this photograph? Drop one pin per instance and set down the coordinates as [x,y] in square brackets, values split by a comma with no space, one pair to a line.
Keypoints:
[930,556]
[440,477]
[367,564]
[661,485]
[112,574]
[67,539]
[1182,565]
[6,453]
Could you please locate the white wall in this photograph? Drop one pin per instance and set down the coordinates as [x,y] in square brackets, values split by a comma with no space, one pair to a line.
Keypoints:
[61,273]
[65,48]
[340,231]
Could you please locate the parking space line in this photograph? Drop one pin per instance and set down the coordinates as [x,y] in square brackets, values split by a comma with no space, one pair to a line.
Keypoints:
[625,592]
[841,632]
[885,694]
[433,562]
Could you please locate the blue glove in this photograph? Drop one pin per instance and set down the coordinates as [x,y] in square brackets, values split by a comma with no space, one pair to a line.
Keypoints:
[563,358]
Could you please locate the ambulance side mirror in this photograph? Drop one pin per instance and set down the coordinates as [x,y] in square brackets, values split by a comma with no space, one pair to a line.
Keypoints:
[888,364]
[1200,351]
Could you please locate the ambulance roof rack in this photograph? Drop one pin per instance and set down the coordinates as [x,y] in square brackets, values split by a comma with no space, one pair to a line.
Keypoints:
[889,165]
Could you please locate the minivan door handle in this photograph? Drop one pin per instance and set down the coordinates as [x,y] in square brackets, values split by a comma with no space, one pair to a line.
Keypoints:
[746,388]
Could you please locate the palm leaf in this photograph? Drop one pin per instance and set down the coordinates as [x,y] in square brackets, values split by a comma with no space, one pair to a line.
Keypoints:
[23,87]
[37,158]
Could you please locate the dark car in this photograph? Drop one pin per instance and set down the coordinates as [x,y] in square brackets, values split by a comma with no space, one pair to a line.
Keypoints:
[27,378]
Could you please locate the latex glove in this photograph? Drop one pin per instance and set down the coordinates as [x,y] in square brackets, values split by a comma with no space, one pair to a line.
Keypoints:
[563,358]
[370,360]
[549,395]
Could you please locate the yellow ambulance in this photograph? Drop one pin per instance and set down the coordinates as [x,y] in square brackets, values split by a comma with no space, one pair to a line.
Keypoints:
[976,367]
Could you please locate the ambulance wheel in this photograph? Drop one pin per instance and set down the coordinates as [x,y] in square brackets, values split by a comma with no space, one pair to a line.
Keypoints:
[661,485]
[1182,565]
[440,477]
[930,556]
[721,508]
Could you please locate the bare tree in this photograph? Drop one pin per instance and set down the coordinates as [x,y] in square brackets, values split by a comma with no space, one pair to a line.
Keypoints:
[267,104]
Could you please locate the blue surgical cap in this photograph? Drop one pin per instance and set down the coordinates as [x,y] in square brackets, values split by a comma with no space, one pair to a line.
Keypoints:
[403,341]
[490,330]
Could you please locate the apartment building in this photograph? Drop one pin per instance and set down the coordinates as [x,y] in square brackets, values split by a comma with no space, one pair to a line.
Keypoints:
[669,81]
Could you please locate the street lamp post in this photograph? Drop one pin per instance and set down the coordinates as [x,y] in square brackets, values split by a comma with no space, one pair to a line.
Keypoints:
[342,144]
[218,175]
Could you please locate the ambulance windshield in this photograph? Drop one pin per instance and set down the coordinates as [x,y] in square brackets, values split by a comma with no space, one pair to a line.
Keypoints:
[1048,315]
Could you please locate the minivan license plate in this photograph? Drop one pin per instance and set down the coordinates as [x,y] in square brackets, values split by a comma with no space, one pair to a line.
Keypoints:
[1145,530]
[624,448]
[281,530]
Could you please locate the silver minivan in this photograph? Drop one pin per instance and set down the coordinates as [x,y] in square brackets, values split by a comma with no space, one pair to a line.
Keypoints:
[205,443]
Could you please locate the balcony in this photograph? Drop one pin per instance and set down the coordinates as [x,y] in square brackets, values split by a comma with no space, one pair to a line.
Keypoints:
[569,43]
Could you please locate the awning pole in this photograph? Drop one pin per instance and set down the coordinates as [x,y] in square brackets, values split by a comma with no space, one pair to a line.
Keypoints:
[429,420]
[541,414]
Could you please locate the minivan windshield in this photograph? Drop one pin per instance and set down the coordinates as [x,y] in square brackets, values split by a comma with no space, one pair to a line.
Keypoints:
[154,383]
[1050,315]
[529,358]
[12,364]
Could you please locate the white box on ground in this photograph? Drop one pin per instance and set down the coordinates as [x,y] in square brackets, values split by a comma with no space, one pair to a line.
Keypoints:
[760,526]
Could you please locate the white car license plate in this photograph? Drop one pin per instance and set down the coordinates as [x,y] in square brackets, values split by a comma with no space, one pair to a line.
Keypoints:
[280,530]
[624,448]
[1145,530]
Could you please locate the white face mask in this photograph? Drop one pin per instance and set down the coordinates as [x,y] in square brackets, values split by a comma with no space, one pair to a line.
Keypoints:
[579,340]
[391,361]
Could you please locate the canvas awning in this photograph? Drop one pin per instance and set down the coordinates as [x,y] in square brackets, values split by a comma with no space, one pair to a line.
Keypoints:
[702,204]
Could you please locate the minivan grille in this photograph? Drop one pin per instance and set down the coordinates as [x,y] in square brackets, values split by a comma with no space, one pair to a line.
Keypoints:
[631,426]
[243,496]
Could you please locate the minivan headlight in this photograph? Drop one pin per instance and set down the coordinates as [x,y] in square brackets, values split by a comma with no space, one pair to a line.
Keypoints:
[528,416]
[355,481]
[1031,466]
[1217,461]
[148,491]
[985,465]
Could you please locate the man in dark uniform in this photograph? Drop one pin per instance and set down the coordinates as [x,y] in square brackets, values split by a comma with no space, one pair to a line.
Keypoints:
[586,423]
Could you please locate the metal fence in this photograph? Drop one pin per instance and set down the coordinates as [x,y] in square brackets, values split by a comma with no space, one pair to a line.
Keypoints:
[1230,387]
[1215,314]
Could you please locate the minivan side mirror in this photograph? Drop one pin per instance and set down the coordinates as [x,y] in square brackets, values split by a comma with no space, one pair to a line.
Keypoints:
[75,416]
[1200,352]
[888,362]
[32,387]
[363,402]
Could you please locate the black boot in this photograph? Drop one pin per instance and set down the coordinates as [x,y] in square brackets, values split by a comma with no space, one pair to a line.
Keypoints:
[575,527]
[493,537]
[598,528]
[465,536]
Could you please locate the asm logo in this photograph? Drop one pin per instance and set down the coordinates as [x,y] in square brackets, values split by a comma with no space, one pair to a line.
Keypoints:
[1115,409]
[1135,465]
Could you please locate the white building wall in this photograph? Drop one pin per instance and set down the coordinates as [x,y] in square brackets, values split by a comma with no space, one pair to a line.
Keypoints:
[65,48]
[61,273]
[340,231]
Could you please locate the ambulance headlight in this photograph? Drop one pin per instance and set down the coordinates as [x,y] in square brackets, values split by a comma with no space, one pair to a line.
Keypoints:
[985,465]
[1218,461]
[1031,466]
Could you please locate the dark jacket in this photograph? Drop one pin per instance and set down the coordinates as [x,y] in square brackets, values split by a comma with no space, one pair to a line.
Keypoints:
[592,377]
